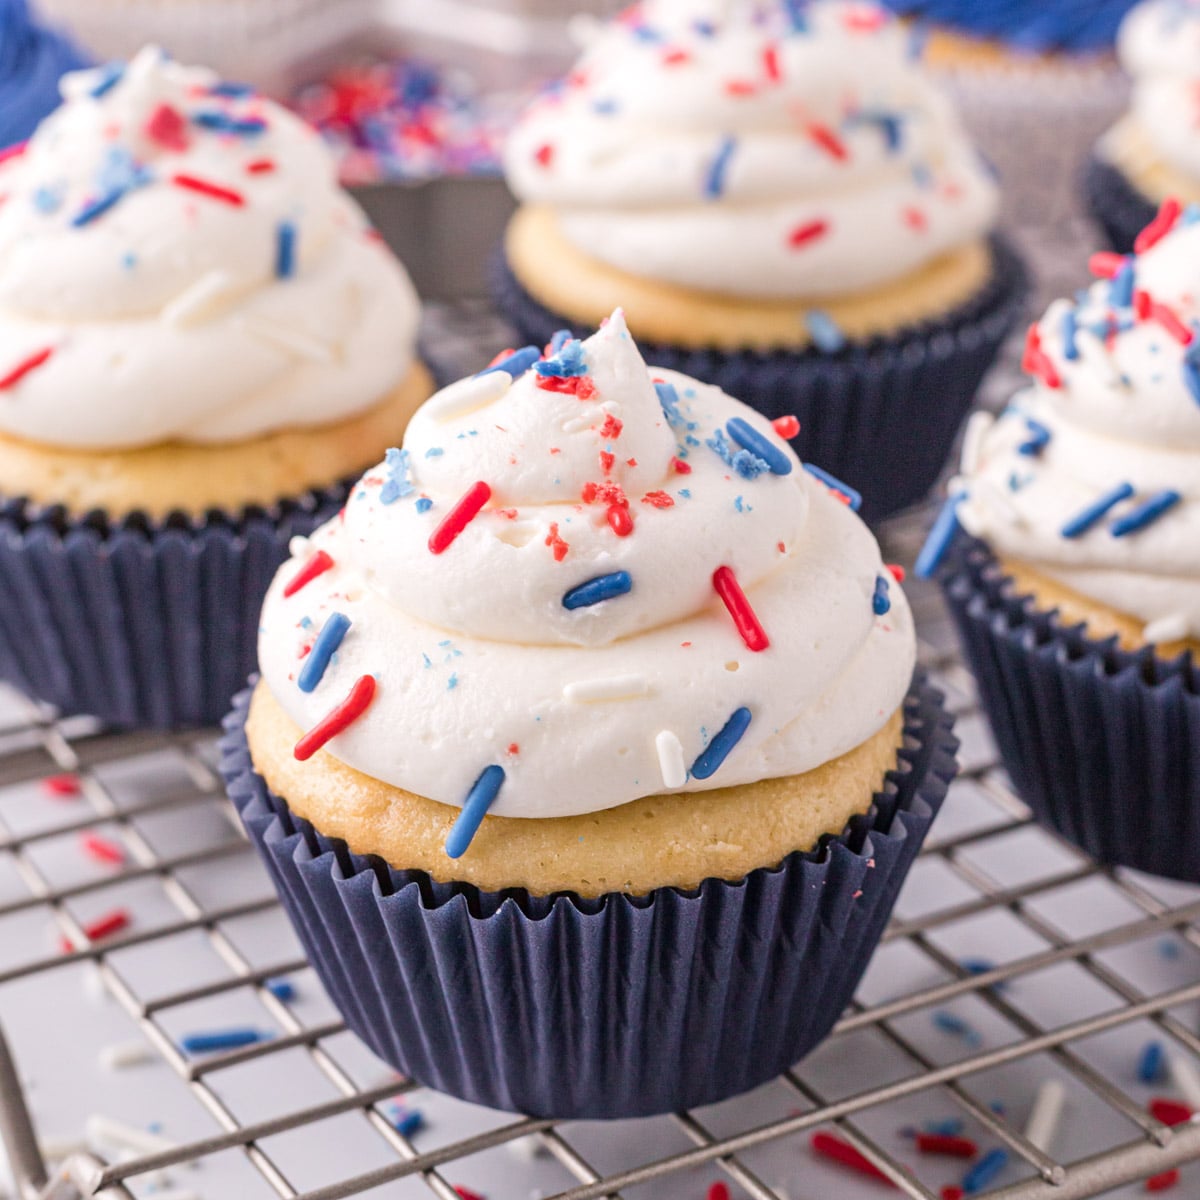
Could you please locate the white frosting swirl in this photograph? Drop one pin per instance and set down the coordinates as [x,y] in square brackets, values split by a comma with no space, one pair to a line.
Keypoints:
[1159,46]
[171,313]
[478,661]
[1127,413]
[754,154]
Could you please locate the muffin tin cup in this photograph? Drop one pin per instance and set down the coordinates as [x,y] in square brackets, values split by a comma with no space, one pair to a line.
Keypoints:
[139,623]
[1102,743]
[620,1006]
[1116,205]
[881,415]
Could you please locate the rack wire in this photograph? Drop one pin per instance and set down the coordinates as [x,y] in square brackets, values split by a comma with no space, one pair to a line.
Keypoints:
[1065,997]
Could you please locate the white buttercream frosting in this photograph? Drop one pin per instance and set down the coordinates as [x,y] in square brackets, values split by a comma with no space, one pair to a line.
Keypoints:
[184,253]
[1159,47]
[1125,414]
[478,661]
[751,148]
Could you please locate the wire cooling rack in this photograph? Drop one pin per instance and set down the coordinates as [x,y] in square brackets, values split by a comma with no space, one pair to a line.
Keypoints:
[1013,962]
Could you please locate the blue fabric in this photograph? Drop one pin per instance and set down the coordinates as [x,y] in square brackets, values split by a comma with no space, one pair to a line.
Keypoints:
[32,60]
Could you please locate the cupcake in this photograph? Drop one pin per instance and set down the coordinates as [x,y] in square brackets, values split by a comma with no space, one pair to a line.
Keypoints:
[591,729]
[1153,151]
[32,60]
[786,208]
[1077,593]
[200,341]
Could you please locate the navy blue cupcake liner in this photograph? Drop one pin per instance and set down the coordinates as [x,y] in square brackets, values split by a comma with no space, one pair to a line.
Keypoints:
[621,1006]
[141,624]
[1116,205]
[881,415]
[1102,743]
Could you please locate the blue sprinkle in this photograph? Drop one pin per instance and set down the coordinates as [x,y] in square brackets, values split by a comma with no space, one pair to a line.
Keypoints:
[517,363]
[940,538]
[96,208]
[918,39]
[1145,514]
[1152,1064]
[129,260]
[644,33]
[707,28]
[220,122]
[1168,948]
[949,1127]
[797,14]
[714,182]
[281,989]
[479,799]
[824,331]
[719,749]
[1191,367]
[741,505]
[890,125]
[113,73]
[434,452]
[1191,214]
[668,399]
[947,1022]
[424,504]
[605,108]
[408,1122]
[760,445]
[593,591]
[452,682]
[559,340]
[221,1039]
[977,966]
[1039,439]
[306,622]
[922,176]
[1120,291]
[233,91]
[985,1171]
[831,481]
[285,250]
[1077,526]
[881,603]
[324,648]
[686,493]
[566,362]
[1070,325]
[397,484]
[47,199]
[747,464]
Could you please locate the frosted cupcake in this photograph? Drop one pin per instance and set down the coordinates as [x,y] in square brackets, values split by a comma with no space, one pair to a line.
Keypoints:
[1154,150]
[785,207]
[593,682]
[1078,596]
[32,60]
[199,340]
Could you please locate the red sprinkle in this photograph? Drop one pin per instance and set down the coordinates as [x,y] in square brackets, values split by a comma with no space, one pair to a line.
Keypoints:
[951,1147]
[896,571]
[465,1193]
[787,427]
[828,141]
[570,385]
[513,748]
[1170,1112]
[23,368]
[1163,223]
[915,219]
[744,617]
[659,500]
[828,1146]
[612,427]
[260,166]
[619,520]
[803,234]
[318,564]
[556,543]
[13,151]
[952,1192]
[674,58]
[771,65]
[213,190]
[544,155]
[1037,362]
[680,467]
[1105,265]
[739,87]
[459,517]
[1148,309]
[61,785]
[102,849]
[718,1191]
[167,128]
[337,719]
[607,458]
[100,928]
[1162,1183]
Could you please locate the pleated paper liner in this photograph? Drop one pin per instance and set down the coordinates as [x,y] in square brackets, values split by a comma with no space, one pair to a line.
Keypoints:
[881,415]
[1102,743]
[140,623]
[1116,204]
[615,1007]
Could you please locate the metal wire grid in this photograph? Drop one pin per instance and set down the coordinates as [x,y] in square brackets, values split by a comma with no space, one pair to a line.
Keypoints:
[42,747]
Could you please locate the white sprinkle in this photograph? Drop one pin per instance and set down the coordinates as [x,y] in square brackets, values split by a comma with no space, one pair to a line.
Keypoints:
[1042,1125]
[619,687]
[57,1149]
[289,340]
[1183,1075]
[1168,629]
[124,1055]
[202,300]
[298,546]
[468,395]
[977,429]
[94,987]
[670,759]
[104,1135]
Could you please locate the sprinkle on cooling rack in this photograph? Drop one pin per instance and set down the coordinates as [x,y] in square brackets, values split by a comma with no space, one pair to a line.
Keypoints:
[61,786]
[514,362]
[338,719]
[881,602]
[216,1040]
[323,649]
[940,538]
[1042,1124]
[459,517]
[214,191]
[835,485]
[718,750]
[762,447]
[102,850]
[602,587]
[1145,514]
[285,250]
[317,564]
[1163,223]
[1078,525]
[985,1171]
[1152,1063]
[102,927]
[946,1145]
[29,363]
[744,618]
[839,1151]
[479,799]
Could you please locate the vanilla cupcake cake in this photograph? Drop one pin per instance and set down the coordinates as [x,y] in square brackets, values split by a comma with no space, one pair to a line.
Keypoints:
[592,651]
[784,206]
[1079,594]
[200,339]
